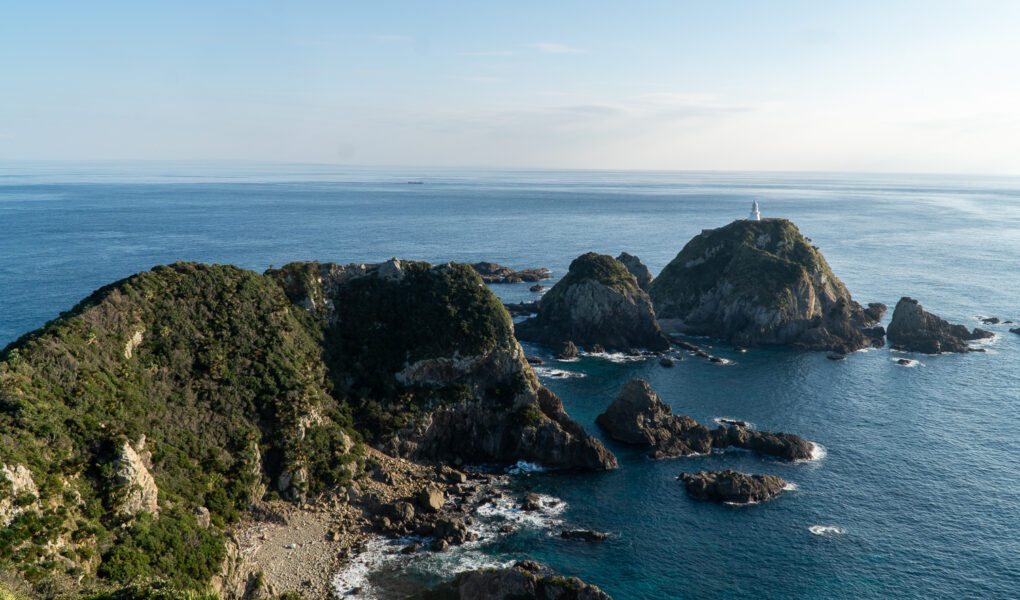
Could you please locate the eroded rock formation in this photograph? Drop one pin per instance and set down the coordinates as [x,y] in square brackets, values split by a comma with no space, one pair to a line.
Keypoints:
[916,330]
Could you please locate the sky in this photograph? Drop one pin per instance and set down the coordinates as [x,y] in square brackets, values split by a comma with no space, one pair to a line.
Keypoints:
[725,85]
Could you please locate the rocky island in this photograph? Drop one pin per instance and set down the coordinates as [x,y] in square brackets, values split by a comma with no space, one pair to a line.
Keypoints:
[732,487]
[172,411]
[598,302]
[493,273]
[761,282]
[916,330]
[638,416]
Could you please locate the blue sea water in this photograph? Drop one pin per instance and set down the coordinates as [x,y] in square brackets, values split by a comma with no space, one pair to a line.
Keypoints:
[922,464]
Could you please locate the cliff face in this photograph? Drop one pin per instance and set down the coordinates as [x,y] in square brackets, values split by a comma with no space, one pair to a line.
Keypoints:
[597,302]
[761,282]
[427,359]
[913,328]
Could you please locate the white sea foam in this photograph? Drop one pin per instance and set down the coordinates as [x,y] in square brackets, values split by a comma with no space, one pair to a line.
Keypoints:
[524,466]
[790,487]
[569,360]
[616,357]
[557,373]
[818,451]
[910,363]
[826,530]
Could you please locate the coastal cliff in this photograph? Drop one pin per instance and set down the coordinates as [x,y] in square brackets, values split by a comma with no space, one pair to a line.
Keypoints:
[598,302]
[140,426]
[758,283]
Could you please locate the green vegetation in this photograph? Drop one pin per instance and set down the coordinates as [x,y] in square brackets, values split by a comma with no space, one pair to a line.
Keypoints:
[226,373]
[759,261]
[599,267]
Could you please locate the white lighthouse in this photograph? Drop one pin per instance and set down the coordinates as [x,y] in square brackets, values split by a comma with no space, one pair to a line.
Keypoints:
[755,215]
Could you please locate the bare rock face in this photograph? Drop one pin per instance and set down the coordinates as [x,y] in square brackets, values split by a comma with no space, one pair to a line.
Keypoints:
[731,486]
[524,581]
[759,283]
[597,302]
[916,330]
[21,485]
[136,488]
[637,269]
[638,416]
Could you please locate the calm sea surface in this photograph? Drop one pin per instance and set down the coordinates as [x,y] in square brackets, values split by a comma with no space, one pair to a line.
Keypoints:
[922,471]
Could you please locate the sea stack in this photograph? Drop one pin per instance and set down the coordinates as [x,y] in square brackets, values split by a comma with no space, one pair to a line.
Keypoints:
[597,302]
[916,330]
[760,282]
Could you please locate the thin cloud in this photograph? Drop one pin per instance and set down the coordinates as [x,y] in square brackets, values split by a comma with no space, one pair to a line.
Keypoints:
[555,48]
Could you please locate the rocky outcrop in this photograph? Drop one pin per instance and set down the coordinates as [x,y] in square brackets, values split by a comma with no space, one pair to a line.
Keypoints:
[597,302]
[637,269]
[638,416]
[18,493]
[135,488]
[759,283]
[731,486]
[493,273]
[916,330]
[524,581]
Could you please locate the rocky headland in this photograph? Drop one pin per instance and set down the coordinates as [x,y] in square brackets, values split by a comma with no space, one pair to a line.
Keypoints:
[732,487]
[759,283]
[166,429]
[493,273]
[916,330]
[639,417]
[598,302]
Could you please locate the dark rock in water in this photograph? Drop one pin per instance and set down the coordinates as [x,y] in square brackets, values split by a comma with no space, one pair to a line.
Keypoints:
[638,416]
[685,345]
[991,321]
[702,354]
[1007,322]
[739,349]
[493,273]
[760,282]
[737,422]
[525,581]
[567,351]
[637,269]
[836,356]
[440,545]
[521,309]
[1015,330]
[597,302]
[716,359]
[534,360]
[538,287]
[731,486]
[903,362]
[634,352]
[596,349]
[584,535]
[916,330]
[666,361]
[531,502]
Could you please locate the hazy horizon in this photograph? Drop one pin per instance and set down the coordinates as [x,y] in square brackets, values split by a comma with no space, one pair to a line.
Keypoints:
[912,88]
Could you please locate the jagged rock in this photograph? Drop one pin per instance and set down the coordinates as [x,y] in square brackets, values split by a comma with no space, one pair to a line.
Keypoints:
[584,535]
[21,486]
[493,273]
[991,321]
[916,330]
[731,486]
[567,351]
[638,416]
[637,269]
[596,349]
[517,583]
[737,422]
[431,498]
[136,489]
[452,530]
[756,283]
[534,360]
[531,502]
[597,302]
[666,361]
[538,287]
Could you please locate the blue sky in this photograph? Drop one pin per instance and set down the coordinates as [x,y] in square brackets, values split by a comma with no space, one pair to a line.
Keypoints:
[856,86]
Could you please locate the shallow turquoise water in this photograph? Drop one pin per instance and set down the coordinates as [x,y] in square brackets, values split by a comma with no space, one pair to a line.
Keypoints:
[923,463]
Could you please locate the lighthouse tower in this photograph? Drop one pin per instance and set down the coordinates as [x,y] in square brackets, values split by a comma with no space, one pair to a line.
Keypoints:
[755,215]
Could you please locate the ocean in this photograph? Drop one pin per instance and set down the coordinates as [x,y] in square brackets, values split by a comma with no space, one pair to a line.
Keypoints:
[917,494]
